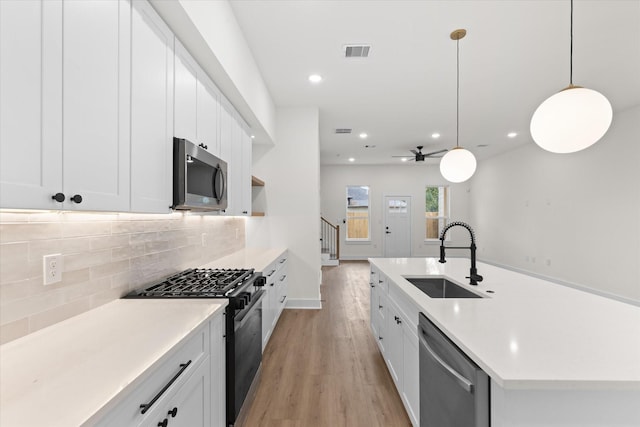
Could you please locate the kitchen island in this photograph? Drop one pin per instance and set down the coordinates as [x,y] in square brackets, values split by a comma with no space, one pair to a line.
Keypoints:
[556,356]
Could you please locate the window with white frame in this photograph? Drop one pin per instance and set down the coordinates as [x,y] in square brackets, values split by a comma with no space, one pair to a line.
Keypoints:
[358,213]
[436,211]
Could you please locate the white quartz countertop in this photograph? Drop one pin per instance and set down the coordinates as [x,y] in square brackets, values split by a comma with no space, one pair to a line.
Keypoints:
[530,333]
[65,374]
[256,258]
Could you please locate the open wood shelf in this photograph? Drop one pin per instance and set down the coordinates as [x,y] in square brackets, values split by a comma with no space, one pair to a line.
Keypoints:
[256,182]
[257,213]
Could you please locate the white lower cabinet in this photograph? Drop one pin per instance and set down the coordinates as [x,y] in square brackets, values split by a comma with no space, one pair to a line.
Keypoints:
[189,406]
[394,327]
[186,389]
[275,299]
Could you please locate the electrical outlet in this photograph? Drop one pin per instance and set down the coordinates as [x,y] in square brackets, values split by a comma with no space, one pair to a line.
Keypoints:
[52,268]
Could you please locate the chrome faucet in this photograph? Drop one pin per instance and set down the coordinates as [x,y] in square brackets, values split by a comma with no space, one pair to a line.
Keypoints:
[473,276]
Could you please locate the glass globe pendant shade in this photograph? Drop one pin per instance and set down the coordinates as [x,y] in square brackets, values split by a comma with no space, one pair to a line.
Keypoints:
[458,165]
[571,120]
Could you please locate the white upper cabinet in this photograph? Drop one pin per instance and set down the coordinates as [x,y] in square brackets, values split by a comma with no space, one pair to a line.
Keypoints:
[208,114]
[151,111]
[65,104]
[96,104]
[197,103]
[30,101]
[245,177]
[186,95]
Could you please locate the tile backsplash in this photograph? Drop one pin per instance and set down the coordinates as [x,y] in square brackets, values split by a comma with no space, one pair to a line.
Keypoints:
[104,256]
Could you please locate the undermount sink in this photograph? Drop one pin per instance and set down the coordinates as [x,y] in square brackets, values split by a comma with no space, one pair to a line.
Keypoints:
[441,288]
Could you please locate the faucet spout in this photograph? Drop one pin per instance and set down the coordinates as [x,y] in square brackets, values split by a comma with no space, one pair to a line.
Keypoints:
[473,277]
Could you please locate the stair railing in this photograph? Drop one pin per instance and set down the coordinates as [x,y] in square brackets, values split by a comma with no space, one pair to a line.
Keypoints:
[330,237]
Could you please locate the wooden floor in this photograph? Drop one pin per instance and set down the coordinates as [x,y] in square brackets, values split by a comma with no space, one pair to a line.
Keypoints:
[323,368]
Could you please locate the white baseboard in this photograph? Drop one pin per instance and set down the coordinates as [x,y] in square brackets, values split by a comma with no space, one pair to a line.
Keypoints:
[304,304]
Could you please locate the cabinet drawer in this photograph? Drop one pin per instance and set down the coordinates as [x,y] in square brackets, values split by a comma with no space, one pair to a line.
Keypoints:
[154,386]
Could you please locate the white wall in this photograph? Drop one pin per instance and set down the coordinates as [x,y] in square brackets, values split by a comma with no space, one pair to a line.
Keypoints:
[579,213]
[290,198]
[400,180]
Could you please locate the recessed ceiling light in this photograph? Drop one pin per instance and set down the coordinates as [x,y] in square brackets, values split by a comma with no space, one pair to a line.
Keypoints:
[351,159]
[404,159]
[363,135]
[253,137]
[435,135]
[512,134]
[315,78]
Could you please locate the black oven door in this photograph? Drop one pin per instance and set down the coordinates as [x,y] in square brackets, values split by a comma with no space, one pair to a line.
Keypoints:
[244,354]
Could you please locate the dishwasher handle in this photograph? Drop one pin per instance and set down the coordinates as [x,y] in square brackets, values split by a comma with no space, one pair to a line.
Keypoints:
[462,381]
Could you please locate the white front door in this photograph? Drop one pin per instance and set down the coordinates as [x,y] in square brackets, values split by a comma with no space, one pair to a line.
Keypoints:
[397,226]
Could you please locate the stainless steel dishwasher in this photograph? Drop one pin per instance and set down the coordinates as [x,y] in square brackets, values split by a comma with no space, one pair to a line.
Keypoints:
[454,391]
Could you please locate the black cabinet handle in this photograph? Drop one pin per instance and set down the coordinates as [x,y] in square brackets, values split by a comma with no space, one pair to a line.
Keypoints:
[163,423]
[173,412]
[283,277]
[398,320]
[379,306]
[58,197]
[206,147]
[77,199]
[146,406]
[283,298]
[244,212]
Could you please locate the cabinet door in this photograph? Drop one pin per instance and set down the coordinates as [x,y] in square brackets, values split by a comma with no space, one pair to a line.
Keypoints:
[190,406]
[411,380]
[185,94]
[151,111]
[30,99]
[235,169]
[96,104]
[373,300]
[381,313]
[208,114]
[394,355]
[245,171]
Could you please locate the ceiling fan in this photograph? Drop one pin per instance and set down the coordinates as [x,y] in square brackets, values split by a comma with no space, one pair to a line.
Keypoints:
[419,156]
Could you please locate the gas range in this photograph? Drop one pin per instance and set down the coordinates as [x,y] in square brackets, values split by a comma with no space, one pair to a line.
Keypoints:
[243,321]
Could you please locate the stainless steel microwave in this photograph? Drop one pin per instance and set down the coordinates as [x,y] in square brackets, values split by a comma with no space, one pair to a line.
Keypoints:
[199,178]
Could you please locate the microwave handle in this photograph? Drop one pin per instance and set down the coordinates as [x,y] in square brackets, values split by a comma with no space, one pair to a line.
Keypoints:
[219,175]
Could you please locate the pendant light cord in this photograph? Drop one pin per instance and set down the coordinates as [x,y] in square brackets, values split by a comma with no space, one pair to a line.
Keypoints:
[457,91]
[571,49]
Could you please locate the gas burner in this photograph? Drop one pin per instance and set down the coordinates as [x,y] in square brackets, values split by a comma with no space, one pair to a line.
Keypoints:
[199,283]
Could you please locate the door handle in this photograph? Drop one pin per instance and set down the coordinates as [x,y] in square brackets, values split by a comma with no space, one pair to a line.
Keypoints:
[387,232]
[462,381]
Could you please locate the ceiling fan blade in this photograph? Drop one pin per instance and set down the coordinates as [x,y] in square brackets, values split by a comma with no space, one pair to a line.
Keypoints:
[402,156]
[432,154]
[414,152]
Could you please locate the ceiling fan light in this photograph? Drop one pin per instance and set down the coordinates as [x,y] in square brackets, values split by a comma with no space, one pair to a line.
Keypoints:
[458,165]
[571,120]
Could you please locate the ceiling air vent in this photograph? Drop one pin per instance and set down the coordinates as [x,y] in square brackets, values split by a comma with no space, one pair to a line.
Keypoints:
[343,130]
[357,51]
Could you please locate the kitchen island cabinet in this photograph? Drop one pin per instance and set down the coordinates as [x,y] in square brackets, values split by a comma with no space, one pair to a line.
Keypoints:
[557,356]
[99,367]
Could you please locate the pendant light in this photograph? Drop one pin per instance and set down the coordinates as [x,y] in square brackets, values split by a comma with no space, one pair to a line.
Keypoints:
[458,165]
[572,119]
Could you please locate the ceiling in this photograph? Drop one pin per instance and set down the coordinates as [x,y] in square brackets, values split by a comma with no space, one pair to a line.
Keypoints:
[515,55]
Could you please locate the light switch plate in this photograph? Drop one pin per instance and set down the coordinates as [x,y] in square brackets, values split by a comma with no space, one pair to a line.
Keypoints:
[52,268]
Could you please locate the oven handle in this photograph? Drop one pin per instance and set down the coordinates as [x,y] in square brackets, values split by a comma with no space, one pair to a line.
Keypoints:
[242,318]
